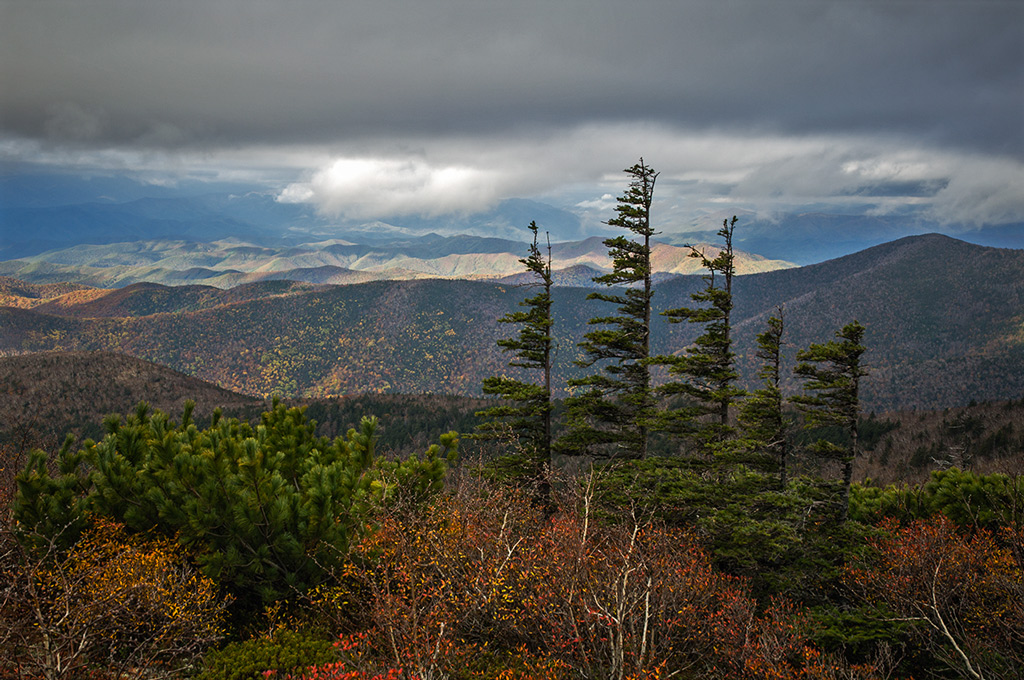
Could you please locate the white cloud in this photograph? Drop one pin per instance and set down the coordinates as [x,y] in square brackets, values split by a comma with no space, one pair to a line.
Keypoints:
[580,169]
[297,193]
[380,187]
[701,172]
[606,202]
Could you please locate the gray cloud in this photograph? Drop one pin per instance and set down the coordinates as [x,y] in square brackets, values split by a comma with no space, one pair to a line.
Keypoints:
[319,72]
[402,107]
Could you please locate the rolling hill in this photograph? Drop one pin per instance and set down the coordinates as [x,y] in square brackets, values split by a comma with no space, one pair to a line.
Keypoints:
[945,326]
[42,400]
[48,394]
[15,293]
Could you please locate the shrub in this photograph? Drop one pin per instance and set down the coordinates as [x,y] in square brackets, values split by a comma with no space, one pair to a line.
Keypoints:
[268,511]
[284,650]
[114,600]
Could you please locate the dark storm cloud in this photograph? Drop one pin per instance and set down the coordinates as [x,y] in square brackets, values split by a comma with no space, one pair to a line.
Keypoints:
[417,107]
[240,72]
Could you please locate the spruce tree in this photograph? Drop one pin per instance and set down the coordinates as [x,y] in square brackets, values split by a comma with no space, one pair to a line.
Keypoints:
[526,415]
[609,413]
[831,373]
[761,416]
[704,375]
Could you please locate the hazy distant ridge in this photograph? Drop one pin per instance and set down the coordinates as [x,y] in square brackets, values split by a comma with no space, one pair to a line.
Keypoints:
[228,263]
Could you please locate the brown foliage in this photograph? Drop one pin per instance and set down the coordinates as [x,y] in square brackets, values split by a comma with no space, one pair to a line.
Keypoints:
[966,591]
[115,601]
[483,584]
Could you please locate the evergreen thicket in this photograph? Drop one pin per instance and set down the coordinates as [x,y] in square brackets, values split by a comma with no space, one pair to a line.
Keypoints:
[268,511]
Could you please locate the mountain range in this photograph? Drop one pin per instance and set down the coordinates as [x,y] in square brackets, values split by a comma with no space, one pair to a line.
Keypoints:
[945,324]
[228,263]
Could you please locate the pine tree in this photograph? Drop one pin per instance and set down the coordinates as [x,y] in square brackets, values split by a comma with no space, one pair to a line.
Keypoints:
[705,375]
[761,416]
[267,511]
[831,373]
[526,415]
[609,413]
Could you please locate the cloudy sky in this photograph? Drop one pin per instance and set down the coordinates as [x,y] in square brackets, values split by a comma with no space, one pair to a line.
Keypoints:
[420,107]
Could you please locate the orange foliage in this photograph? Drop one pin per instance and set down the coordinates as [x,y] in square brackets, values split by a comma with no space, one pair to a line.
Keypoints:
[481,584]
[965,589]
[115,600]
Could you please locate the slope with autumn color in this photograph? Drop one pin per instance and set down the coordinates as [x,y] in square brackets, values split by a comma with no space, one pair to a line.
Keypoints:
[944,323]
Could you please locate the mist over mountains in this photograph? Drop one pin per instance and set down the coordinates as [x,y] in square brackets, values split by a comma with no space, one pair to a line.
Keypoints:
[47,212]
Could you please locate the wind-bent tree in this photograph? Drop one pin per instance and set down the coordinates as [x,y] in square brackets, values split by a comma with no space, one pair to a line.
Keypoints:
[705,374]
[609,413]
[761,416]
[831,373]
[526,415]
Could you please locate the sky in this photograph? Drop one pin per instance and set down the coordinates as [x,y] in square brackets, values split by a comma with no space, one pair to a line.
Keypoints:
[391,108]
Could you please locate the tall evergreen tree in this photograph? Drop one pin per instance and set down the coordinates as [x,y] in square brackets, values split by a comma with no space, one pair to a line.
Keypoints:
[761,416]
[609,413]
[831,373]
[526,415]
[705,375]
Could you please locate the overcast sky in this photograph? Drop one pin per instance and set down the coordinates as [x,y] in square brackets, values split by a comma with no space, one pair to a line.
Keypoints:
[403,107]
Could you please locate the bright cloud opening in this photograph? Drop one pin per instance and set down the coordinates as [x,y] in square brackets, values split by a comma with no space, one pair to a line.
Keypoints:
[370,188]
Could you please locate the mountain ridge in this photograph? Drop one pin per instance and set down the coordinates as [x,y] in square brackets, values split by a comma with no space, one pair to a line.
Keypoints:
[227,263]
[935,336]
[45,211]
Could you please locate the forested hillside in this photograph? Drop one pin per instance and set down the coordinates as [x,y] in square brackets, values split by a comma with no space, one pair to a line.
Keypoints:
[45,396]
[15,293]
[944,326]
[907,446]
[49,395]
[945,318]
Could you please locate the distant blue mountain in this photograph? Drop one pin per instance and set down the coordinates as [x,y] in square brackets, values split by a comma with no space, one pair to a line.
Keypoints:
[508,220]
[32,188]
[808,238]
[46,212]
[41,212]
[814,237]
[31,230]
